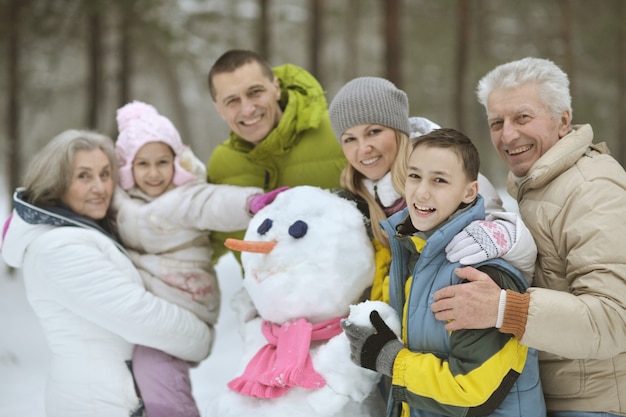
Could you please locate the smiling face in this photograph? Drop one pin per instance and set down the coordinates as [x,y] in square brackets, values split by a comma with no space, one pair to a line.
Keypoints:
[436,185]
[91,187]
[248,101]
[370,149]
[153,168]
[523,129]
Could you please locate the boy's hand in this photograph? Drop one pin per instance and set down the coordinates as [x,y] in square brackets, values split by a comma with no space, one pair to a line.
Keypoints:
[374,347]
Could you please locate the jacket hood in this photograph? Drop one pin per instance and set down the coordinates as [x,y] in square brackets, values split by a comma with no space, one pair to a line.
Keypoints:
[440,236]
[19,236]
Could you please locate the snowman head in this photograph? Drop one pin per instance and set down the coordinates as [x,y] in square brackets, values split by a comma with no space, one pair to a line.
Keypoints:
[312,259]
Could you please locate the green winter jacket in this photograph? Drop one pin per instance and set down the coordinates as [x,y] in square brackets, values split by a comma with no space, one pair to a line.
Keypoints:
[301,150]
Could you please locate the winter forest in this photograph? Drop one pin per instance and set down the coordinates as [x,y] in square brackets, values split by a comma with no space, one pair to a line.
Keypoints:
[71,63]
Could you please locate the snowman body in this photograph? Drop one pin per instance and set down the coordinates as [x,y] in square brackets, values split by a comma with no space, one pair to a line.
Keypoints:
[320,264]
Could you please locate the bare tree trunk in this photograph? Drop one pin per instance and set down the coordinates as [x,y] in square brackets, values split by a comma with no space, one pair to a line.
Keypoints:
[351,23]
[123,48]
[12,22]
[124,53]
[171,85]
[463,45]
[264,30]
[316,35]
[13,102]
[566,36]
[392,42]
[94,56]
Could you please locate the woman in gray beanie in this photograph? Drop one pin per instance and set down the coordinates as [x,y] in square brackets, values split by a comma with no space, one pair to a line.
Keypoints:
[370,118]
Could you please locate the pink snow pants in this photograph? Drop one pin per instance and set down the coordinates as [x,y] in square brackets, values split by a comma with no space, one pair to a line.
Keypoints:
[163,383]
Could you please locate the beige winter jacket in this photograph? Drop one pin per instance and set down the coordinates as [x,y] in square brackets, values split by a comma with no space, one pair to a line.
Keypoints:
[574,203]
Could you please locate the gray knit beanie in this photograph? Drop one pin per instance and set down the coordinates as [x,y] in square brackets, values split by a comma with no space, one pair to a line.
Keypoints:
[369,100]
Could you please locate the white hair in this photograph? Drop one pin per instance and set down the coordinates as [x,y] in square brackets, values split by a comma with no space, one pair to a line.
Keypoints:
[552,83]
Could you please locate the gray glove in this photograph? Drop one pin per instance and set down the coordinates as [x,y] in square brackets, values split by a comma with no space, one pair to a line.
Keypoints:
[375,347]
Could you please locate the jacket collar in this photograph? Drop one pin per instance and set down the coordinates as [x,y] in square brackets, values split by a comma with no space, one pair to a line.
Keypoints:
[560,157]
[439,237]
[55,216]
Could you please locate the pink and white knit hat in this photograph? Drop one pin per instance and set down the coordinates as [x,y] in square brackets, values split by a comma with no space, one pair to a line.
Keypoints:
[139,123]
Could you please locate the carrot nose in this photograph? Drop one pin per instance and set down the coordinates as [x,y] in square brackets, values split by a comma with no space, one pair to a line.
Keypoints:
[249,245]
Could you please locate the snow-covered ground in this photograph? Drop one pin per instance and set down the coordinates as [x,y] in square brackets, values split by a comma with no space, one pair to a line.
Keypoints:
[24,357]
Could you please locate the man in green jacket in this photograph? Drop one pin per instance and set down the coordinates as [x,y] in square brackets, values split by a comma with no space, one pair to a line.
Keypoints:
[280,130]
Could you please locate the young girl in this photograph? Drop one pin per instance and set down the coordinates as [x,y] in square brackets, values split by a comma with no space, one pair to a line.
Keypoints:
[165,211]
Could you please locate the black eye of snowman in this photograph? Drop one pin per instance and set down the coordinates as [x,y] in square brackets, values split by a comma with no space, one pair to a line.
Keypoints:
[298,229]
[264,227]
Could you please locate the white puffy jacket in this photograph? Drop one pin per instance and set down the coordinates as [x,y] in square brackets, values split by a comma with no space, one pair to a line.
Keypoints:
[93,308]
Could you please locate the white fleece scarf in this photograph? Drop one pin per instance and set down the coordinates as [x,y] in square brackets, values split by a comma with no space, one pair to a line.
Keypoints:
[383,190]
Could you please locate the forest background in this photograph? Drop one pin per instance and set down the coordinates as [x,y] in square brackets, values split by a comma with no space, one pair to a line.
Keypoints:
[72,63]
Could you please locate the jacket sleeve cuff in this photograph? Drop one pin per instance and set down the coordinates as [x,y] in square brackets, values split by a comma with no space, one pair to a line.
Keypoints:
[515,313]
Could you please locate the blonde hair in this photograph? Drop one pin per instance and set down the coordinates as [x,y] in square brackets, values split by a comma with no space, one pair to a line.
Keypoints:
[49,173]
[352,180]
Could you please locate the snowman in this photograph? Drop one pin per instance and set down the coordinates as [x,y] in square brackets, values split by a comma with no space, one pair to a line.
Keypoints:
[307,261]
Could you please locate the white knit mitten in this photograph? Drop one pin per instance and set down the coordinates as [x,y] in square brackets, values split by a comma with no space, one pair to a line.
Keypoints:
[481,240]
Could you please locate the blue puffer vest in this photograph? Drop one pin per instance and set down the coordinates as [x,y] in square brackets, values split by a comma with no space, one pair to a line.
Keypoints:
[427,334]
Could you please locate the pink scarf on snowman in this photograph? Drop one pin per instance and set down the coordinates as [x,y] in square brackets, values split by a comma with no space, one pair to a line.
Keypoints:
[284,362]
